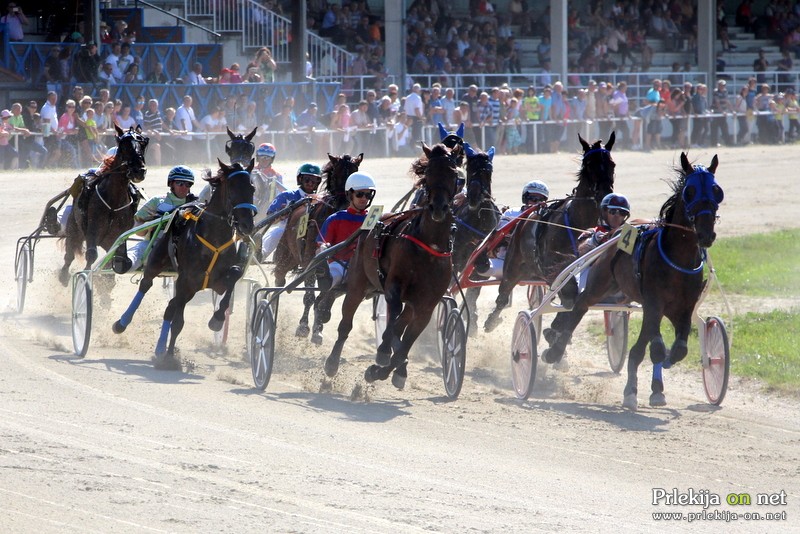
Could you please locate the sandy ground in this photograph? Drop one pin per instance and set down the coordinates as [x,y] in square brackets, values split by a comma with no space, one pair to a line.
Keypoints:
[108,444]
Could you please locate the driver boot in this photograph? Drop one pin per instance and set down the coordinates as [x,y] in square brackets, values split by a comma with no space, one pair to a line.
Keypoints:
[324,278]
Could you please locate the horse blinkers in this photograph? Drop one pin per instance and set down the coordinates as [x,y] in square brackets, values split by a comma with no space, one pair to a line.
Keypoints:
[136,167]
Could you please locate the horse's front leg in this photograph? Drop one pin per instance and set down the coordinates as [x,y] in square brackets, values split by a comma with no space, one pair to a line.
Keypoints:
[416,321]
[125,319]
[72,244]
[650,331]
[165,357]
[91,246]
[391,336]
[472,303]
[308,302]
[510,279]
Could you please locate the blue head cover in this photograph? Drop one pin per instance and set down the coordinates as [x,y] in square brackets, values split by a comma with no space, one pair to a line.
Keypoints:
[451,139]
[701,187]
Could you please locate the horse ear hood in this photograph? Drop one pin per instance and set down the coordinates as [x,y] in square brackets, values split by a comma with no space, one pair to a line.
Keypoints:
[491,154]
[469,150]
[442,131]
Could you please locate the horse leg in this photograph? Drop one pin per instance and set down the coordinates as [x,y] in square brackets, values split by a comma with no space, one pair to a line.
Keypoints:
[322,314]
[352,299]
[560,332]
[308,301]
[472,304]
[394,328]
[125,319]
[503,296]
[658,354]
[650,330]
[74,239]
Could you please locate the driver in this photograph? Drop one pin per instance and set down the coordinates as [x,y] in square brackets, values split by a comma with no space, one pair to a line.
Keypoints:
[360,190]
[309,176]
[534,193]
[179,180]
[614,211]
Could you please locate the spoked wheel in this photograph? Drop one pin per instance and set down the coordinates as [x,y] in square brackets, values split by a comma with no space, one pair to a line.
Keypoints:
[616,323]
[380,312]
[443,310]
[22,274]
[535,296]
[716,360]
[252,287]
[262,345]
[454,356]
[523,355]
[81,313]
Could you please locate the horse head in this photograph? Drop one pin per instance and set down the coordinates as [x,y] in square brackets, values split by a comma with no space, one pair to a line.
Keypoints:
[596,175]
[240,148]
[337,170]
[479,175]
[697,198]
[234,184]
[439,178]
[451,139]
[131,147]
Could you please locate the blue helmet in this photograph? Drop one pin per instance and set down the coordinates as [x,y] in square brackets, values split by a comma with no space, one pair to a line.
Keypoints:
[266,150]
[613,200]
[180,173]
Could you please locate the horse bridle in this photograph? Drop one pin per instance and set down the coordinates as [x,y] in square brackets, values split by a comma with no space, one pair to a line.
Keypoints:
[139,167]
[701,189]
[242,205]
[247,148]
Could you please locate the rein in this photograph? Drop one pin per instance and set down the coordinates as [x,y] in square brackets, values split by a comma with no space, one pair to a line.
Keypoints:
[695,270]
[427,248]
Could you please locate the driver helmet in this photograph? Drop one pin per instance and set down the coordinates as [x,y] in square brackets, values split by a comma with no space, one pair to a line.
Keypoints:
[266,150]
[180,173]
[615,201]
[111,152]
[359,181]
[535,190]
[308,169]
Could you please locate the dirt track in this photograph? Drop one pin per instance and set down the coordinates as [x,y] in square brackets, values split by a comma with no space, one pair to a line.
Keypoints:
[106,443]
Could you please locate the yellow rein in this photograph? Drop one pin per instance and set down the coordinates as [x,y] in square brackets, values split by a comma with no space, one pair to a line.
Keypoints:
[212,248]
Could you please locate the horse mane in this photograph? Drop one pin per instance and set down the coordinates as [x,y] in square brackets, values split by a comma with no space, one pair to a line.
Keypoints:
[668,208]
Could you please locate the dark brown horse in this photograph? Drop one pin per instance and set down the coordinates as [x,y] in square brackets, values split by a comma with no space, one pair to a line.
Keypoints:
[664,274]
[240,148]
[295,253]
[104,209]
[538,247]
[204,241]
[410,262]
[476,217]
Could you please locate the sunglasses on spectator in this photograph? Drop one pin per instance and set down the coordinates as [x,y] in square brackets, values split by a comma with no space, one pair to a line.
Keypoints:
[363,194]
[616,211]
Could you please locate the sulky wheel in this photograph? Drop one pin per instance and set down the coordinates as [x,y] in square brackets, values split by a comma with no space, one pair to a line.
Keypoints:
[535,297]
[22,274]
[716,359]
[81,313]
[616,323]
[252,287]
[380,314]
[443,309]
[454,353]
[262,345]
[523,355]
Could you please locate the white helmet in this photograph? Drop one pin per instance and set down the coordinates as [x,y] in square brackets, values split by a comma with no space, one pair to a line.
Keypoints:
[111,152]
[359,180]
[535,187]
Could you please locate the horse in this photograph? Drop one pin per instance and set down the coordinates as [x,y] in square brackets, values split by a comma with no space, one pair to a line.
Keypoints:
[664,274]
[201,238]
[476,216]
[408,258]
[105,207]
[539,245]
[240,148]
[295,252]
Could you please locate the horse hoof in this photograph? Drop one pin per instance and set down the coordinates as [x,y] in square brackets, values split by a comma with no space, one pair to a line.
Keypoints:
[492,322]
[216,325]
[167,363]
[331,366]
[316,338]
[383,358]
[368,376]
[302,330]
[63,277]
[551,356]
[630,402]
[398,381]
[658,399]
[117,327]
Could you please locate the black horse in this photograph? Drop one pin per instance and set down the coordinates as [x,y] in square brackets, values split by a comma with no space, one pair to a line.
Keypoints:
[476,216]
[240,148]
[105,207]
[664,274]
[538,247]
[202,240]
[410,262]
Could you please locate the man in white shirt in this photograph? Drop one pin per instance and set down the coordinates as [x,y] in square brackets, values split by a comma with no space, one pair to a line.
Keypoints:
[415,110]
[49,120]
[125,58]
[113,58]
[187,122]
[196,76]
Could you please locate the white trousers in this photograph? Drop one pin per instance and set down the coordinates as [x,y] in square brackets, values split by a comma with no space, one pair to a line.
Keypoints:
[271,238]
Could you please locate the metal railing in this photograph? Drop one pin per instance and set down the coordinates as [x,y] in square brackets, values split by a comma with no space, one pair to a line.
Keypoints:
[258,26]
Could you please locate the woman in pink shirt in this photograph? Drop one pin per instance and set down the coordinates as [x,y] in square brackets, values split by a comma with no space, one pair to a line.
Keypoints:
[68,135]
